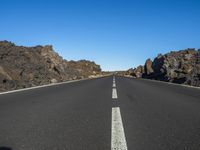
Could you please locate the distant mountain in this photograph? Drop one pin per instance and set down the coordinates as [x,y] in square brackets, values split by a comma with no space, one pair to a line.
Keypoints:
[181,67]
[22,67]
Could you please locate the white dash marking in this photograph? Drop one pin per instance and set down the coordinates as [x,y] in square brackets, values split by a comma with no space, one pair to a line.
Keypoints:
[118,140]
[114,93]
[114,85]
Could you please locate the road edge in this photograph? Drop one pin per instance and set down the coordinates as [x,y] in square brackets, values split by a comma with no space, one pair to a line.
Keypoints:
[49,85]
[183,85]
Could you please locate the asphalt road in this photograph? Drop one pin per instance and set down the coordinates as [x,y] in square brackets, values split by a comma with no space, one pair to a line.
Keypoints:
[79,116]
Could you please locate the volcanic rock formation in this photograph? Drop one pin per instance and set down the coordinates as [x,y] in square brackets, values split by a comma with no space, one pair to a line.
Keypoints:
[22,67]
[177,66]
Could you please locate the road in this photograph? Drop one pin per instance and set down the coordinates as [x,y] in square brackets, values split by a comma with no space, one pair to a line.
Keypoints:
[109,113]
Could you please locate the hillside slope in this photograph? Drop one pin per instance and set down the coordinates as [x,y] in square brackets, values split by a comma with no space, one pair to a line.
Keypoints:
[22,67]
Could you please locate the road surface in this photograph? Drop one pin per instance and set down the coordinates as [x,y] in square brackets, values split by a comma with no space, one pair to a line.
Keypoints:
[109,113]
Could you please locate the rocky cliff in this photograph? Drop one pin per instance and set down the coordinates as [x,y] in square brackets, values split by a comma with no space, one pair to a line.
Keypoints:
[177,66]
[22,67]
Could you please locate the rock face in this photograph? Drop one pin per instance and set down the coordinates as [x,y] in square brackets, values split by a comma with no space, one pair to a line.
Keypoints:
[148,67]
[178,67]
[85,68]
[22,67]
[137,72]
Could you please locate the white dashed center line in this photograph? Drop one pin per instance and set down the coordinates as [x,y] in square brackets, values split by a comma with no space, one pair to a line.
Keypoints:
[114,85]
[114,93]
[114,90]
[118,140]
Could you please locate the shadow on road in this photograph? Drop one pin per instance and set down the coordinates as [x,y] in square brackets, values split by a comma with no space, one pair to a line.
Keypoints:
[5,148]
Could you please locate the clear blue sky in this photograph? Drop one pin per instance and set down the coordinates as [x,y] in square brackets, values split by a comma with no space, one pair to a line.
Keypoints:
[117,34]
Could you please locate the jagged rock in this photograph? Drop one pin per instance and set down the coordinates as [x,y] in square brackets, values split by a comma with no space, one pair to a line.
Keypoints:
[54,81]
[177,66]
[85,68]
[148,67]
[137,72]
[22,67]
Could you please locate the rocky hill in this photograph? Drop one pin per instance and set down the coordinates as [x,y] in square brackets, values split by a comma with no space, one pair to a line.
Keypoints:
[181,67]
[22,67]
[85,68]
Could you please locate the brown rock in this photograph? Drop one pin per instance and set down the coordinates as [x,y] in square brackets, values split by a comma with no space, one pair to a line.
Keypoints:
[148,67]
[22,67]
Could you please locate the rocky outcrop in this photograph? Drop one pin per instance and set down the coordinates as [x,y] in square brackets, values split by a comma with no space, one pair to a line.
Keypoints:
[85,68]
[177,66]
[22,67]
[136,72]
[148,67]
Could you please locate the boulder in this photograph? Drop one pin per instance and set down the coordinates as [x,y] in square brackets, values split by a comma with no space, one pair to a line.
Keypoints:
[148,67]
